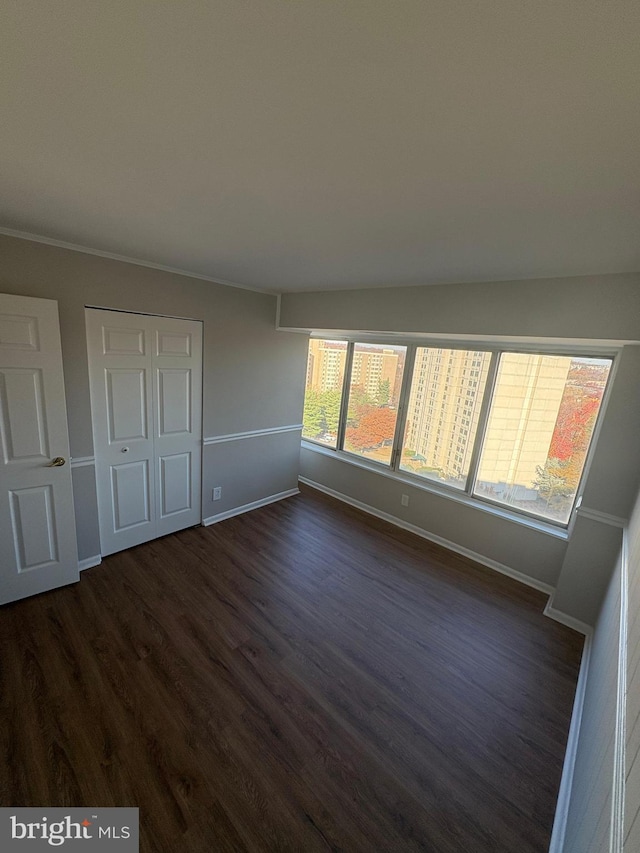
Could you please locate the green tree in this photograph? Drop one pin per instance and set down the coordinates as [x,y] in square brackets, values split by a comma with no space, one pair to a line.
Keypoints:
[553,484]
[384,392]
[359,402]
[312,416]
[330,403]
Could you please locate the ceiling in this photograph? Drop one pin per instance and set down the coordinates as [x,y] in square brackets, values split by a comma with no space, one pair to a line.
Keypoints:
[315,144]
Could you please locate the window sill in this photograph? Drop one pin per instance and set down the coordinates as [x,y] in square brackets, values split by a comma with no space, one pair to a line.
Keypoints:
[432,488]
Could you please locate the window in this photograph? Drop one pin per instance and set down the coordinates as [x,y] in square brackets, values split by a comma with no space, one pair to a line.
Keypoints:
[543,411]
[374,392]
[421,454]
[323,391]
[511,428]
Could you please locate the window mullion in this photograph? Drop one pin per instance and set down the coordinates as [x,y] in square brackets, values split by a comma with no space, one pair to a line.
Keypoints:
[403,406]
[483,419]
[344,403]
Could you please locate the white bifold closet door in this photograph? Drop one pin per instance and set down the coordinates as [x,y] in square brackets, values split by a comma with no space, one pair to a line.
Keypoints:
[146,399]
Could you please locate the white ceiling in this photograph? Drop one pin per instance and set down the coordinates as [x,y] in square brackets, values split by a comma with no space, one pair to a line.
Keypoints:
[316,144]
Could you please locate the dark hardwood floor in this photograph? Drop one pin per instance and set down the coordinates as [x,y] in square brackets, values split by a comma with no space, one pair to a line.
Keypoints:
[300,678]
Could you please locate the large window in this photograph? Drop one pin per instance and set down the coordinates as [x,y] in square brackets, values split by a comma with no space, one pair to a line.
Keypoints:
[543,411]
[323,395]
[374,394]
[443,413]
[505,427]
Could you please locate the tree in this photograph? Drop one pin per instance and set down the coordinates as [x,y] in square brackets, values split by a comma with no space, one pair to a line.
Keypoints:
[558,479]
[574,424]
[384,392]
[375,426]
[552,482]
[330,403]
[313,416]
[359,402]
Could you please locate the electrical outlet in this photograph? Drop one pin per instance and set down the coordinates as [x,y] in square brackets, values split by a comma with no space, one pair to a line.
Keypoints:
[404,500]
[216,494]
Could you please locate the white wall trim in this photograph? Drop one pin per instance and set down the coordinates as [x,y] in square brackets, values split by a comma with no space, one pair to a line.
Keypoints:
[566,782]
[432,537]
[603,517]
[616,843]
[254,433]
[82,461]
[239,510]
[89,562]
[565,619]
[87,250]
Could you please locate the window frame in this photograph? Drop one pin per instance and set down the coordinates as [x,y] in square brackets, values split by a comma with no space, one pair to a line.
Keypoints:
[495,350]
[346,390]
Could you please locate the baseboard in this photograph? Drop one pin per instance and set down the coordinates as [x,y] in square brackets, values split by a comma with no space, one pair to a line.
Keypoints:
[565,619]
[89,562]
[239,510]
[432,537]
[566,782]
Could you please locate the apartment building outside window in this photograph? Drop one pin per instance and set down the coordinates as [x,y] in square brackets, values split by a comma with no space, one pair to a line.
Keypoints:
[504,427]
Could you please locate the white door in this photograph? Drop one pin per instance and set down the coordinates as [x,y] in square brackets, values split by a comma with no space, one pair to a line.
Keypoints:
[146,398]
[38,548]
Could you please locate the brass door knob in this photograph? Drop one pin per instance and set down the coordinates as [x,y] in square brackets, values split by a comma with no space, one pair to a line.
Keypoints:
[57,462]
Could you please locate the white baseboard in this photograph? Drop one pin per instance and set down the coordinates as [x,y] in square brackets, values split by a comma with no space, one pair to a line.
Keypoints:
[214,519]
[565,619]
[89,562]
[432,537]
[566,783]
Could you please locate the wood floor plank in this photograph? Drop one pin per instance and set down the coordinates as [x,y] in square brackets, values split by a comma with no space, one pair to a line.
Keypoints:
[300,678]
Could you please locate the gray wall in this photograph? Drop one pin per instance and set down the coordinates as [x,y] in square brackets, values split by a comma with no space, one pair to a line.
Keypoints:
[584,577]
[591,808]
[632,804]
[498,540]
[253,374]
[596,308]
[589,815]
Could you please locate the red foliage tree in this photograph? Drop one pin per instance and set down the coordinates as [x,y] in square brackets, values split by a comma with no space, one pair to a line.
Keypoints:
[573,426]
[375,426]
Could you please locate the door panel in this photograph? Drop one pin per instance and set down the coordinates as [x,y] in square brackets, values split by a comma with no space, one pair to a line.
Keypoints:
[18,332]
[146,392]
[38,549]
[127,404]
[116,341]
[121,405]
[174,402]
[34,532]
[130,495]
[177,366]
[175,484]
[173,343]
[22,419]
